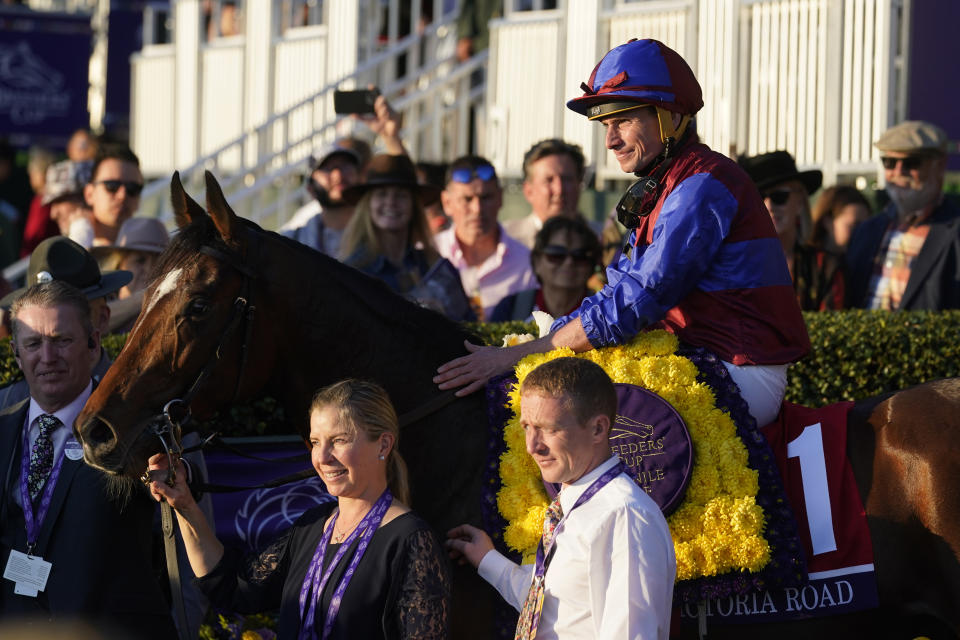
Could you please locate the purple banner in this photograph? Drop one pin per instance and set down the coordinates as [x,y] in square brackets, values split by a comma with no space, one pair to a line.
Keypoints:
[652,440]
[44,61]
[252,519]
[829,593]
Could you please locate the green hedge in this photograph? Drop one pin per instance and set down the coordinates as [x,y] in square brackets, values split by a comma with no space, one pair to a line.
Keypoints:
[856,354]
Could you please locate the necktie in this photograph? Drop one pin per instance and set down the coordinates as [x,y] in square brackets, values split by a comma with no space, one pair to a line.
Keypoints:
[41,456]
[530,613]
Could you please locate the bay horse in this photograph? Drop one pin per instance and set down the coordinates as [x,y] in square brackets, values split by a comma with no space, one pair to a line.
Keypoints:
[317,321]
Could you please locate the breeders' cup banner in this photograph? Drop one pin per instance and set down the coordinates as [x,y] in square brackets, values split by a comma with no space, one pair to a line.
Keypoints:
[252,519]
[44,76]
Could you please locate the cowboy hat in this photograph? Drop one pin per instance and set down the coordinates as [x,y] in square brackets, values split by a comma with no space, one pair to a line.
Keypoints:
[136,234]
[770,169]
[60,258]
[387,170]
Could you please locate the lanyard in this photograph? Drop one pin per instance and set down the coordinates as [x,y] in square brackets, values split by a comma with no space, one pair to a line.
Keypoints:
[314,583]
[34,523]
[545,555]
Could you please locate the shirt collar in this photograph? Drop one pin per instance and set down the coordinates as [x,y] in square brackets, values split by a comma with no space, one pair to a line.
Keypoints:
[67,414]
[569,495]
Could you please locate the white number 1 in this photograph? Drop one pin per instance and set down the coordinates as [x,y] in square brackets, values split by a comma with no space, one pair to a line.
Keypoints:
[808,447]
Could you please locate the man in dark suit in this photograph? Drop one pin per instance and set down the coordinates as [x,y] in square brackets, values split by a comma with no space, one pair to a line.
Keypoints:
[908,256]
[54,509]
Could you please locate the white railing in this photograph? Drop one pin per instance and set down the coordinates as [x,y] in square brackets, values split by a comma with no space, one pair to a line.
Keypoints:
[819,78]
[261,170]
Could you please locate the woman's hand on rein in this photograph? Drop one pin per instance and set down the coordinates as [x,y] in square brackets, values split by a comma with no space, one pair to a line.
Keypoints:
[178,496]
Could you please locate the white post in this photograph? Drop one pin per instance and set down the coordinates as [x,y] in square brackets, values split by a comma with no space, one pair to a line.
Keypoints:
[186,112]
[257,77]
[343,41]
[582,54]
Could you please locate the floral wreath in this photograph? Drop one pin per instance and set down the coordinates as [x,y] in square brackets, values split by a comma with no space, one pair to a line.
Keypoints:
[718,527]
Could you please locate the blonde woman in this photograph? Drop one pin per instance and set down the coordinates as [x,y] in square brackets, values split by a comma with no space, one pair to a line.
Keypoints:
[389,237]
[362,567]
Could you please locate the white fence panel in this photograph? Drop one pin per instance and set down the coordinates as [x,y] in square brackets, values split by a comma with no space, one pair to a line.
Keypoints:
[221,99]
[151,108]
[786,94]
[523,87]
[300,70]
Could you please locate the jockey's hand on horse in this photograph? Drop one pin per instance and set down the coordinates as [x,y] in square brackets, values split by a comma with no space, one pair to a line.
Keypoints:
[468,543]
[178,496]
[472,371]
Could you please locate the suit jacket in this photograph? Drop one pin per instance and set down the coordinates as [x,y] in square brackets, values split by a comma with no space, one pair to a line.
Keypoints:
[934,282]
[101,552]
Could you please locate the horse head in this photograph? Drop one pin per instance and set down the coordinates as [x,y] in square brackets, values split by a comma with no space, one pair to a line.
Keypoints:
[197,345]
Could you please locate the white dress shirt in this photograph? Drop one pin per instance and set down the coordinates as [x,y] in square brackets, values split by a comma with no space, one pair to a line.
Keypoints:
[506,271]
[59,437]
[613,570]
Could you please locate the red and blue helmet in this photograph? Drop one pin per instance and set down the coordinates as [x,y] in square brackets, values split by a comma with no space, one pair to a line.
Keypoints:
[637,73]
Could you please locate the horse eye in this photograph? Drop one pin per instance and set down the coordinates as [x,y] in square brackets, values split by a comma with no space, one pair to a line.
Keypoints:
[198,307]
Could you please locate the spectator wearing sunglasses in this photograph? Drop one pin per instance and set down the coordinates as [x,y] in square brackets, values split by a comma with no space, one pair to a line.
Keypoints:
[907,257]
[113,192]
[565,254]
[552,183]
[492,265]
[703,260]
[817,275]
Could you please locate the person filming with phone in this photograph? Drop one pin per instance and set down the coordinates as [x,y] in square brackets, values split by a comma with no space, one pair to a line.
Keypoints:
[337,166]
[702,258]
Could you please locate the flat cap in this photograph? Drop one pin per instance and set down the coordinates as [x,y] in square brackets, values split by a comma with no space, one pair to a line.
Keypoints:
[913,135]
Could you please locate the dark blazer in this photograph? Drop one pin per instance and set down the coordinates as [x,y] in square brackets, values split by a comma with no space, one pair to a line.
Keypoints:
[101,553]
[934,282]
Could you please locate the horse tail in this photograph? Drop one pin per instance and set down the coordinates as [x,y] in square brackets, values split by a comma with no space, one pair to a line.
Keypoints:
[398,480]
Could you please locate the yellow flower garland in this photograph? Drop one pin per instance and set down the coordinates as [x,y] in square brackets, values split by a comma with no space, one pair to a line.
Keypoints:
[718,527]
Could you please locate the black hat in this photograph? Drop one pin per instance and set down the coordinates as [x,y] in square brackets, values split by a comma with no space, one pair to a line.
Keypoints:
[387,170]
[60,258]
[770,169]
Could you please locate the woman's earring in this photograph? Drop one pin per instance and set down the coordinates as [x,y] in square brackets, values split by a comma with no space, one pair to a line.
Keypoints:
[381,457]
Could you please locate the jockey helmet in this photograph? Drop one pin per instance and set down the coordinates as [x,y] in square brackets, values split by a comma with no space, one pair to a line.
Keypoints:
[642,72]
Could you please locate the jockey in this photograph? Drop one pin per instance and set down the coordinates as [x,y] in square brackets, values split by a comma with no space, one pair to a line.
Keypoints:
[702,259]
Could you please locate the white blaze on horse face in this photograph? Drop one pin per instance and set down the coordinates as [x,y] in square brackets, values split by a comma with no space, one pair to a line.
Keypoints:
[168,284]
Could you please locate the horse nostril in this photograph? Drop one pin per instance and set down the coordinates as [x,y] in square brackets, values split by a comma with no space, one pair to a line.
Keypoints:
[97,433]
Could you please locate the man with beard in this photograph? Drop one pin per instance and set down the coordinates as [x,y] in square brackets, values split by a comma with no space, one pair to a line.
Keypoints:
[320,223]
[908,257]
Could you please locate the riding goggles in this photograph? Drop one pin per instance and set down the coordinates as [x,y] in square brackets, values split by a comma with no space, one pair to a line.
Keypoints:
[465,175]
[133,188]
[556,254]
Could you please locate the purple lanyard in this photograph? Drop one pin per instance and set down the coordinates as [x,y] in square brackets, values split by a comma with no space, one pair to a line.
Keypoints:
[34,524]
[544,555]
[313,583]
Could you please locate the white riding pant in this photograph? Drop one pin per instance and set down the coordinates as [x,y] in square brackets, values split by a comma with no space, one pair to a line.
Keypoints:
[762,387]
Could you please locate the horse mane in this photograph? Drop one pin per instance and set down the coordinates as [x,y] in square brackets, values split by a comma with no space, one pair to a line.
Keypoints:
[374,295]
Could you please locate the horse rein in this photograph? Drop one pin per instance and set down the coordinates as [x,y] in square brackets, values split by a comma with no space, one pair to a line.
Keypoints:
[176,414]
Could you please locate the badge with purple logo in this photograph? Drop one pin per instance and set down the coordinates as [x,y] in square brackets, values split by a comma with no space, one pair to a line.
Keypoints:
[652,440]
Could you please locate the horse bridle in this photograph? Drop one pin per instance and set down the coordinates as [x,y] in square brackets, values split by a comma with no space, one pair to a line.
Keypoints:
[176,414]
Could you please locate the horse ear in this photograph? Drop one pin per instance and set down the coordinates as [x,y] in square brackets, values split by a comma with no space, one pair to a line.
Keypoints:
[185,208]
[224,219]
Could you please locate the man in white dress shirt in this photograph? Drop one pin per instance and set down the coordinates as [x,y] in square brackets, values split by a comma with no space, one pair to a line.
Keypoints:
[611,567]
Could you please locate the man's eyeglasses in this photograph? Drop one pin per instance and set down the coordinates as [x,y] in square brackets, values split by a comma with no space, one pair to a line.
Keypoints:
[465,175]
[778,196]
[556,254]
[910,163]
[133,188]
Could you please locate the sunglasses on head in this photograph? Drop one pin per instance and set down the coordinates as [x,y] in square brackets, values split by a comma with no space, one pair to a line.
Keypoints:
[777,196]
[466,174]
[555,254]
[910,163]
[133,188]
